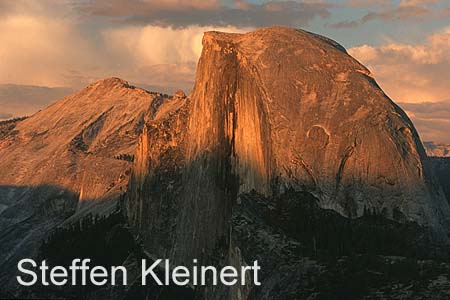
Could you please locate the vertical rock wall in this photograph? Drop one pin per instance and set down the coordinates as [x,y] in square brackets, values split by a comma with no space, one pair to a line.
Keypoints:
[273,110]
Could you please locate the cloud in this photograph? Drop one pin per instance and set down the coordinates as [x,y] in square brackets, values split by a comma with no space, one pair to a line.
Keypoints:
[179,13]
[161,56]
[417,76]
[21,100]
[427,110]
[37,47]
[121,8]
[47,45]
[147,45]
[20,6]
[345,24]
[4,116]
[404,3]
[168,77]
[411,72]
[72,43]
[368,3]
[432,120]
[401,13]
[405,11]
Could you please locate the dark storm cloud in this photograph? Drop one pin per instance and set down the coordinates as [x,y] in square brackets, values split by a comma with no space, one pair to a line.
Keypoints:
[210,13]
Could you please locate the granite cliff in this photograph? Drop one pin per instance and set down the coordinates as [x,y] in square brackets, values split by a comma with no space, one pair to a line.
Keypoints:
[276,112]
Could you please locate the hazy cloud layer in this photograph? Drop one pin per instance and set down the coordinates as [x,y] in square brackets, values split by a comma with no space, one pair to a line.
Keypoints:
[21,100]
[368,3]
[158,56]
[41,46]
[48,44]
[5,115]
[388,11]
[179,13]
[432,120]
[71,43]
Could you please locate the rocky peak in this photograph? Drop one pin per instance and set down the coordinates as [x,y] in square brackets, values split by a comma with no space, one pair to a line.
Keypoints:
[72,158]
[179,95]
[273,111]
[314,114]
[109,83]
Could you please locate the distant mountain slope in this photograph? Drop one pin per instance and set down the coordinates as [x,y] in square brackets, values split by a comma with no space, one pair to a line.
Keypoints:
[437,150]
[21,100]
[70,157]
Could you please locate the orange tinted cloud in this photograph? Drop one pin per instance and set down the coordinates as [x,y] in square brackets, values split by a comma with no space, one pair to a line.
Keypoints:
[47,44]
[404,3]
[432,120]
[411,72]
[37,49]
[366,3]
[417,76]
[180,13]
[115,8]
[70,43]
[404,11]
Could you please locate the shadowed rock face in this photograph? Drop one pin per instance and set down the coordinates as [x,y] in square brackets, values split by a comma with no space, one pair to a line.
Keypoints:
[274,110]
[441,167]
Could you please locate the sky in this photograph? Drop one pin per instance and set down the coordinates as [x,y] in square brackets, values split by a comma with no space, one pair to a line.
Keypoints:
[67,43]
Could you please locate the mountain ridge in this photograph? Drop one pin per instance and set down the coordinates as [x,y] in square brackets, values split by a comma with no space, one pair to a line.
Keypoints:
[70,159]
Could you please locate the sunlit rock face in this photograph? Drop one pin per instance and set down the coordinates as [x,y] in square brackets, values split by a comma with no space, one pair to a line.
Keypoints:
[274,110]
[73,157]
[297,111]
[81,143]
